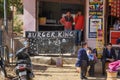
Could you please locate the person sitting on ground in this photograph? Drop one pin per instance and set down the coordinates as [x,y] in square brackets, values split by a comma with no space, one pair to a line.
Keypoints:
[118,42]
[118,57]
[94,51]
[92,61]
[108,56]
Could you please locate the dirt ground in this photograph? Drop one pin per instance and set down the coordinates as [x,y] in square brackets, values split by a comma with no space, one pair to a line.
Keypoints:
[47,72]
[51,72]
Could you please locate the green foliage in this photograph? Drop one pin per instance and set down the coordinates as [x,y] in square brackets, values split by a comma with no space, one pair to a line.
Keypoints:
[18,5]
[15,3]
[1,9]
[17,25]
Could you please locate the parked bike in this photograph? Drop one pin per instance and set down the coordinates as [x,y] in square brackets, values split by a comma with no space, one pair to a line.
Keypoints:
[2,65]
[23,65]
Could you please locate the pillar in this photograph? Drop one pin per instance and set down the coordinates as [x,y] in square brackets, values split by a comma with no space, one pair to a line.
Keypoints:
[29,18]
[90,29]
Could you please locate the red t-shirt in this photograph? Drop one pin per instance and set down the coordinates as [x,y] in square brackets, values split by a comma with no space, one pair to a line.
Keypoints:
[67,22]
[79,23]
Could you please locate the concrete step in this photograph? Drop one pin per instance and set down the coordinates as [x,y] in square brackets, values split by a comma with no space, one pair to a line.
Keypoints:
[66,60]
[52,60]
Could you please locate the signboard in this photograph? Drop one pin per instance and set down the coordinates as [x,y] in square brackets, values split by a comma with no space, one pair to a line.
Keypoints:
[96,21]
[100,40]
[94,25]
[95,17]
[51,42]
[114,35]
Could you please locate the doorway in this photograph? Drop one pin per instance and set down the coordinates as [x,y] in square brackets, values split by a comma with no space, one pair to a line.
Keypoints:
[50,12]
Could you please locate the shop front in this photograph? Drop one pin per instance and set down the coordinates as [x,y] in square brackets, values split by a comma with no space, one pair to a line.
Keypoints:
[113,27]
[51,11]
[47,20]
[44,15]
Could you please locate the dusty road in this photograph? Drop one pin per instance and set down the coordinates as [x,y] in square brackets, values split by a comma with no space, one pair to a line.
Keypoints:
[51,72]
[68,72]
[46,72]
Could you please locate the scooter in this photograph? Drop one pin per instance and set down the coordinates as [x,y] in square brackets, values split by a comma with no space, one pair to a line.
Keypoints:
[23,70]
[23,65]
[2,65]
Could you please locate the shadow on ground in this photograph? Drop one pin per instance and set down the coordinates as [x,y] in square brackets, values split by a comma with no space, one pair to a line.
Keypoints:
[37,68]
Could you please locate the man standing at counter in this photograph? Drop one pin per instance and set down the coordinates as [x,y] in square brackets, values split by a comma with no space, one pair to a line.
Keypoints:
[67,21]
[79,26]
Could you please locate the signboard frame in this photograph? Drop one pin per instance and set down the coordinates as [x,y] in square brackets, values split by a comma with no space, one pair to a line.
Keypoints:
[51,42]
[94,24]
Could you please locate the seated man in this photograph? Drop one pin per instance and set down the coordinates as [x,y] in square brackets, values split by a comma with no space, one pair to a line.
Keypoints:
[118,42]
[108,56]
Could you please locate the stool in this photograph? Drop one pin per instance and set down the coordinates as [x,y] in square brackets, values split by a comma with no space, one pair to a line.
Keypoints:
[106,66]
[112,75]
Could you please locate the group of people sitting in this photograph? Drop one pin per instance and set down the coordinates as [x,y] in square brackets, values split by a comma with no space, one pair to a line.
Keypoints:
[88,57]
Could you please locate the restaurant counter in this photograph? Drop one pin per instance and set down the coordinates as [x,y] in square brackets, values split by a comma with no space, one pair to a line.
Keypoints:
[51,27]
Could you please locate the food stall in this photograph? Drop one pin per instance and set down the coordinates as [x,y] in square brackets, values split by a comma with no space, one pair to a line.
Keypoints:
[51,11]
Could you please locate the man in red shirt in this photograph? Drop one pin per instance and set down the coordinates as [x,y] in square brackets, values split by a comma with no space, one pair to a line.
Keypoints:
[79,26]
[67,21]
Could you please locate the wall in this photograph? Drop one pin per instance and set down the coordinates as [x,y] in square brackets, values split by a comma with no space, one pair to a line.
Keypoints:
[92,41]
[29,17]
[47,9]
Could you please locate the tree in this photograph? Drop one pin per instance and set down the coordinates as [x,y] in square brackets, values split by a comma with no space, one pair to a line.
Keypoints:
[16,3]
[1,9]
[17,25]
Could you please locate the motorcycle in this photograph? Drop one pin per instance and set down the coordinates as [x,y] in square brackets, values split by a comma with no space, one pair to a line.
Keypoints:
[23,65]
[2,65]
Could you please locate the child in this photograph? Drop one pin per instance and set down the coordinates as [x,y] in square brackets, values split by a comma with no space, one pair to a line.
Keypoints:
[92,61]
